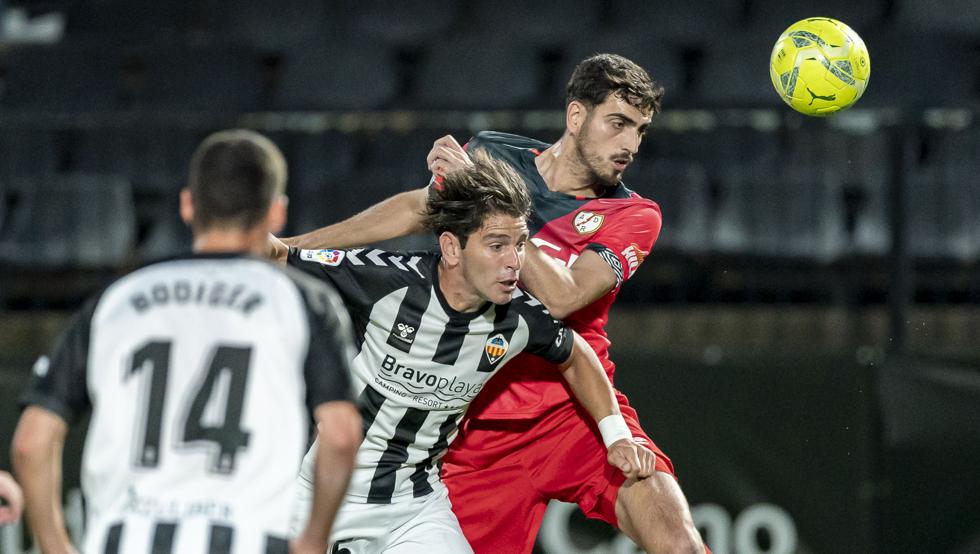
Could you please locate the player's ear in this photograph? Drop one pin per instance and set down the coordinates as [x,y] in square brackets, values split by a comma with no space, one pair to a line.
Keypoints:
[276,216]
[451,249]
[575,114]
[186,206]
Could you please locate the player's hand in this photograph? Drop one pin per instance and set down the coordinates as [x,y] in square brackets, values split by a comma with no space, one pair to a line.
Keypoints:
[634,460]
[447,156]
[12,497]
[304,545]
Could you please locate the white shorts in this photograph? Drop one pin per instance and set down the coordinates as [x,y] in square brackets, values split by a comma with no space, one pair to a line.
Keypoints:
[424,524]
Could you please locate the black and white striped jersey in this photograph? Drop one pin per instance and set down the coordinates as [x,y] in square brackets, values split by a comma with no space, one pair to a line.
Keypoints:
[419,362]
[200,374]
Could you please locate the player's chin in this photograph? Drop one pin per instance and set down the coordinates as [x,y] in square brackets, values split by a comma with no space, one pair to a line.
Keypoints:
[613,176]
[503,292]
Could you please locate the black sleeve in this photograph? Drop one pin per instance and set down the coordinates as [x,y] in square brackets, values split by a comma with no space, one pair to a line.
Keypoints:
[331,348]
[58,381]
[549,338]
[334,267]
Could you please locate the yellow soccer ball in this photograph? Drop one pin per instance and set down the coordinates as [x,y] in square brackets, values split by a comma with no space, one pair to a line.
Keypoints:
[819,66]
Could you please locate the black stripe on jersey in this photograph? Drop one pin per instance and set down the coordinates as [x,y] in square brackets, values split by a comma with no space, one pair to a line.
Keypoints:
[383,483]
[369,402]
[163,538]
[113,538]
[450,343]
[504,324]
[220,541]
[406,324]
[420,478]
[276,545]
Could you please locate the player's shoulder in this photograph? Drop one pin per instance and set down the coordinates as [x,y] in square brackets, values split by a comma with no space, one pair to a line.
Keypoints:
[378,263]
[623,199]
[495,142]
[526,304]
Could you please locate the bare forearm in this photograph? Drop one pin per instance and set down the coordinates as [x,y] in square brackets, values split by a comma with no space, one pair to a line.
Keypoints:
[333,471]
[338,438]
[565,290]
[397,216]
[589,382]
[37,463]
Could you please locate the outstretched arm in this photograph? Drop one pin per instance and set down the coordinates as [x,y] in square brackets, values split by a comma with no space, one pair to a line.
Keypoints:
[592,389]
[36,453]
[397,216]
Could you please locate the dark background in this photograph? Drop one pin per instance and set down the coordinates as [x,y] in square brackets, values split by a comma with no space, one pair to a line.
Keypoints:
[801,340]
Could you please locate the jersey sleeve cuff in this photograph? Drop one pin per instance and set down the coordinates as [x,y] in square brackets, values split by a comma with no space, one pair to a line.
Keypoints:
[49,403]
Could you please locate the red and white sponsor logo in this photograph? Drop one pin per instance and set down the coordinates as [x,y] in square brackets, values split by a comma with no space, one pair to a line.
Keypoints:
[587,222]
[634,257]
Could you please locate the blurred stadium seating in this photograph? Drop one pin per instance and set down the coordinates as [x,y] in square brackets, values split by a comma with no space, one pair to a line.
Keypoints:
[790,248]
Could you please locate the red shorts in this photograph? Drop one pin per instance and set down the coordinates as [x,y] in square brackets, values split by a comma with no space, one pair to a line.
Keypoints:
[502,473]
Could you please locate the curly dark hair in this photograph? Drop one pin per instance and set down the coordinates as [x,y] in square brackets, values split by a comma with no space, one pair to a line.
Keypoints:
[599,75]
[468,196]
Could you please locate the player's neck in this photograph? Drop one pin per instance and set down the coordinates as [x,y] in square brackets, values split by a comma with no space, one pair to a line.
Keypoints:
[456,290]
[215,241]
[564,172]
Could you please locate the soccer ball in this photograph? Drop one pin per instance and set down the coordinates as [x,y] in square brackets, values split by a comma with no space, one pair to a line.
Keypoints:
[819,66]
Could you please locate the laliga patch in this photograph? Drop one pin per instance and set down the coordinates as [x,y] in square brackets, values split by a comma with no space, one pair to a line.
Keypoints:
[325,257]
[496,348]
[586,222]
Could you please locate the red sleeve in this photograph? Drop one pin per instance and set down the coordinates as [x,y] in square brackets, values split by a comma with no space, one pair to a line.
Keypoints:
[626,239]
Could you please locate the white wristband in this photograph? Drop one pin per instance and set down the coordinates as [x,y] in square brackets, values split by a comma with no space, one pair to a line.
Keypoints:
[613,428]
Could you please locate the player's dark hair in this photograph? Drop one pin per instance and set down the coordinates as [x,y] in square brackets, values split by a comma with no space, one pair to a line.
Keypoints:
[234,177]
[599,75]
[468,196]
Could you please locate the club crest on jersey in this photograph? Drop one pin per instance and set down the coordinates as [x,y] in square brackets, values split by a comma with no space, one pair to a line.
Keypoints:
[326,257]
[587,222]
[496,348]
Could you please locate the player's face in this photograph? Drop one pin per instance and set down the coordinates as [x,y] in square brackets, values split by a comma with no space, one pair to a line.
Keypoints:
[493,257]
[610,137]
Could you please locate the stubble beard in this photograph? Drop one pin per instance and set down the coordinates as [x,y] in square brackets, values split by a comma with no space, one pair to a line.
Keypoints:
[592,163]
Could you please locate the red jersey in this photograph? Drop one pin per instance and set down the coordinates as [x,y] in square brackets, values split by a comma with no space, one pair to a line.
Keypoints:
[620,226]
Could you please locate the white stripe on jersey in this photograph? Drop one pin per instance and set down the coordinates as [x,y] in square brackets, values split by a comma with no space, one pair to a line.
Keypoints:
[418,400]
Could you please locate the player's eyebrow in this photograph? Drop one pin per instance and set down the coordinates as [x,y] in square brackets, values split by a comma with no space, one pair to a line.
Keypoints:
[630,121]
[496,236]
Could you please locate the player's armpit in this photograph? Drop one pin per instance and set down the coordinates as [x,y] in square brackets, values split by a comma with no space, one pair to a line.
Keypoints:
[395,217]
[565,290]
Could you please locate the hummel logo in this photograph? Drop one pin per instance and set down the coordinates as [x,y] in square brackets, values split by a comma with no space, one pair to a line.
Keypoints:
[830,98]
[405,330]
